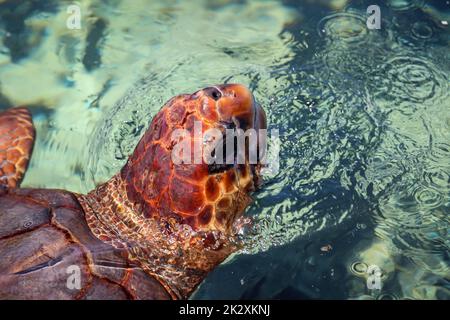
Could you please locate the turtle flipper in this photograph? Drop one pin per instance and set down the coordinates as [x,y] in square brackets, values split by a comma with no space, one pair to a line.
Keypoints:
[16,144]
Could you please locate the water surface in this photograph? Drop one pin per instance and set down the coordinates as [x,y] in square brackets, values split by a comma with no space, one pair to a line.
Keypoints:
[363,117]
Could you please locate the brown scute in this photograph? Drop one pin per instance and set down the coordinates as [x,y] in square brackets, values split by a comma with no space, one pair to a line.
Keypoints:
[212,189]
[221,216]
[224,203]
[230,181]
[23,251]
[205,215]
[105,290]
[73,222]
[16,143]
[108,270]
[39,241]
[141,286]
[19,215]
[49,198]
[46,280]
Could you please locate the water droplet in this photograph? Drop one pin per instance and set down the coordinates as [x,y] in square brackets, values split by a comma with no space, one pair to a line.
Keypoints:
[359,268]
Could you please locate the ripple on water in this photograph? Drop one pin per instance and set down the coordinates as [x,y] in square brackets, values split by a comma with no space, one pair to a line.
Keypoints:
[417,32]
[345,27]
[323,133]
[437,178]
[428,198]
[402,5]
[406,80]
[350,49]
[422,30]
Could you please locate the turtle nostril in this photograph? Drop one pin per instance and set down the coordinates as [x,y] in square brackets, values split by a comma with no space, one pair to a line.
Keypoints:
[213,93]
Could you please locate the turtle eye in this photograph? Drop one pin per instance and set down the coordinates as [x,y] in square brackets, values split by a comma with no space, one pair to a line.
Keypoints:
[213,93]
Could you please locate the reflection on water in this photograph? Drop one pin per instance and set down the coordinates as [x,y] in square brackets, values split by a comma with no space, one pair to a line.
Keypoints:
[363,117]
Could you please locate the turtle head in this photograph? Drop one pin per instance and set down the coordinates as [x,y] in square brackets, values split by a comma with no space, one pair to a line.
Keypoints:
[200,158]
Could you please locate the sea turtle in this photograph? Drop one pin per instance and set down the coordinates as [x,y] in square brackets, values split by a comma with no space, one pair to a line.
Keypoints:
[153,231]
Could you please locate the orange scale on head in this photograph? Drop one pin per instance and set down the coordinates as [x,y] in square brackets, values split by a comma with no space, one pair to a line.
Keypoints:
[190,122]
[212,189]
[149,209]
[161,156]
[205,215]
[191,172]
[152,187]
[229,181]
[143,163]
[166,135]
[187,198]
[176,114]
[164,205]
[13,155]
[8,168]
[207,108]
[5,140]
[155,129]
[141,148]
[222,217]
[190,220]
[224,203]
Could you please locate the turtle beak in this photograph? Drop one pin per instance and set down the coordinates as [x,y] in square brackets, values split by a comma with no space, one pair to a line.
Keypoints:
[236,105]
[239,110]
[233,106]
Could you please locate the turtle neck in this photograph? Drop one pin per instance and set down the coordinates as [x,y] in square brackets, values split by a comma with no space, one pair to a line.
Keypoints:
[173,253]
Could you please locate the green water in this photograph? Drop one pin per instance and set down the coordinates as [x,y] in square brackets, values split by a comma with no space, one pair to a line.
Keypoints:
[363,117]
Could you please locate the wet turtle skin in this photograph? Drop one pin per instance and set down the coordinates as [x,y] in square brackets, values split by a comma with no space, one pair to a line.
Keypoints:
[153,231]
[42,234]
